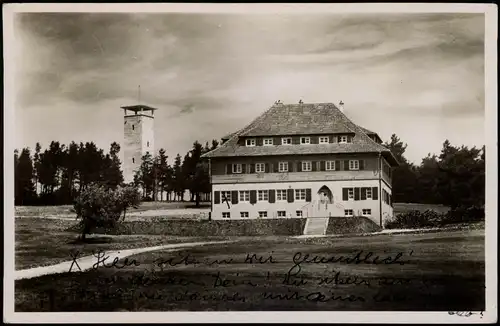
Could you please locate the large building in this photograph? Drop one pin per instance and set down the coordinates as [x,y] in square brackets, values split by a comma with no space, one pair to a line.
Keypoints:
[139,137]
[302,161]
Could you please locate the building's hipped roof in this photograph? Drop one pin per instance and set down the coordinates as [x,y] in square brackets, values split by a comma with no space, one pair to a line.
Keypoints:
[301,119]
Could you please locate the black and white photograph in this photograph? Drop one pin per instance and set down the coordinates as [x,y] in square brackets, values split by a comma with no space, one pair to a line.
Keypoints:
[250,160]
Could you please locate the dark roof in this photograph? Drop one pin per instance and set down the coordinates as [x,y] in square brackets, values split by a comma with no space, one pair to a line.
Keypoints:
[301,119]
[366,131]
[138,108]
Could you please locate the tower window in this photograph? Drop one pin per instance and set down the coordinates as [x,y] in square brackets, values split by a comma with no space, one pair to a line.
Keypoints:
[148,144]
[133,160]
[133,127]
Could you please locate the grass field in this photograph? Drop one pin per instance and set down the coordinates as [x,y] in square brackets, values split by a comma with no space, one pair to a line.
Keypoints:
[445,271]
[43,242]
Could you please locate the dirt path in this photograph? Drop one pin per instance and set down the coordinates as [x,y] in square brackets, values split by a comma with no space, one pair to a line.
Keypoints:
[87,262]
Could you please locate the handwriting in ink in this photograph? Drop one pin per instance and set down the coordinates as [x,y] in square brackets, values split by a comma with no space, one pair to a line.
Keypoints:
[313,296]
[292,278]
[101,261]
[338,280]
[174,261]
[300,258]
[224,282]
[465,313]
[254,259]
[75,255]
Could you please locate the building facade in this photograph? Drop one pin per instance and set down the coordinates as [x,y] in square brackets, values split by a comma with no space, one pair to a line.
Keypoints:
[138,137]
[302,161]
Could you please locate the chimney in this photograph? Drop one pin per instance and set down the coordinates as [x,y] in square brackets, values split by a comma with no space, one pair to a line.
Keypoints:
[341,106]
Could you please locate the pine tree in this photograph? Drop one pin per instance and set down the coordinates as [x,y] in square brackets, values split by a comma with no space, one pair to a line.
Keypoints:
[24,188]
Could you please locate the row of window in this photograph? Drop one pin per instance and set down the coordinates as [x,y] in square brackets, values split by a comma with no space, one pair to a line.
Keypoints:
[305,140]
[251,196]
[289,195]
[263,214]
[303,166]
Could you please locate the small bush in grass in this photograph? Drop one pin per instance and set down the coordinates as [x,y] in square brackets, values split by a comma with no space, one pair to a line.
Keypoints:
[429,218]
[100,206]
[413,220]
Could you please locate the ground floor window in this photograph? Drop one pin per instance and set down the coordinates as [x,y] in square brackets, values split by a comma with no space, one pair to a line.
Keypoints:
[226,196]
[299,213]
[348,212]
[263,195]
[367,212]
[281,194]
[226,215]
[244,214]
[281,213]
[262,214]
[300,194]
[245,196]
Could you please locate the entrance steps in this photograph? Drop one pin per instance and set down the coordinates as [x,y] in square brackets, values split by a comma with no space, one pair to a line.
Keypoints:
[316,226]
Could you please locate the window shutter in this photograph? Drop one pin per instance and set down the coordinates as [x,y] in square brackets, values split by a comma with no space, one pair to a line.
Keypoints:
[314,166]
[314,140]
[349,138]
[217,197]
[243,168]
[290,166]
[363,193]
[289,195]
[275,166]
[272,196]
[308,194]
[259,141]
[322,165]
[335,139]
[253,196]
[234,197]
[296,140]
[277,141]
[375,193]
[356,193]
[267,167]
[337,165]
[252,168]
[345,194]
[229,169]
[346,165]
[299,166]
[390,201]
[361,164]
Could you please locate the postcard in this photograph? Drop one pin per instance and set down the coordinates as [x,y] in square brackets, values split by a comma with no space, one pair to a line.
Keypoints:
[250,163]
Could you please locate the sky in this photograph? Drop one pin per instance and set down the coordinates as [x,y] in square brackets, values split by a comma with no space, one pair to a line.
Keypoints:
[420,76]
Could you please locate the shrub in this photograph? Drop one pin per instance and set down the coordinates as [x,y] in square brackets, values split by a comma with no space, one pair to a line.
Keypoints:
[99,206]
[429,218]
[463,215]
[414,219]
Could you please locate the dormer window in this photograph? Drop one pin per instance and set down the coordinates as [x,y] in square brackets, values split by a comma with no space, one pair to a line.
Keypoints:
[305,140]
[324,140]
[343,139]
[250,142]
[268,141]
[286,141]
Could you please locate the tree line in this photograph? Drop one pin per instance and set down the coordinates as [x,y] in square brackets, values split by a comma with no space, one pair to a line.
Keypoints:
[455,177]
[58,174]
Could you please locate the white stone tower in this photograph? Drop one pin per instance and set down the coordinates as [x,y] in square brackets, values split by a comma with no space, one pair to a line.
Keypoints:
[139,137]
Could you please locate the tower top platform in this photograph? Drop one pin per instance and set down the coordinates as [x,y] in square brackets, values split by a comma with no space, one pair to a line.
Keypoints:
[138,108]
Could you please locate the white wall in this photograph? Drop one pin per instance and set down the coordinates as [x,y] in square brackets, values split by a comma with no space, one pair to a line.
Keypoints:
[135,143]
[335,209]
